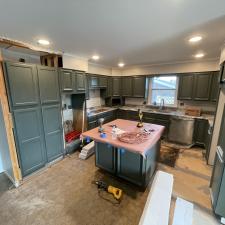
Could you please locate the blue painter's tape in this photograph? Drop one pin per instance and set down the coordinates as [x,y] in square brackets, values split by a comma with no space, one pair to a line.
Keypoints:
[88,139]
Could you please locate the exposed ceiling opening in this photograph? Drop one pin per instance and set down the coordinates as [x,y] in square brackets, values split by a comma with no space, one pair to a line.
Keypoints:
[135,32]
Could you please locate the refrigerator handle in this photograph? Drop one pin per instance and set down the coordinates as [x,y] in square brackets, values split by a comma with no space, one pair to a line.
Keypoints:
[218,151]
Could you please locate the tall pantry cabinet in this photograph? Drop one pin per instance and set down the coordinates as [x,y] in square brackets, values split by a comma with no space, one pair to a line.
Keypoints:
[35,106]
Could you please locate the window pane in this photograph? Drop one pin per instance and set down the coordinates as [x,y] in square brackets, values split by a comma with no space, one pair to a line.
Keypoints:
[168,96]
[166,82]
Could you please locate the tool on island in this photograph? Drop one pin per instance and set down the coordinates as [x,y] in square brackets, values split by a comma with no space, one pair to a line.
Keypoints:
[101,121]
[140,115]
[116,192]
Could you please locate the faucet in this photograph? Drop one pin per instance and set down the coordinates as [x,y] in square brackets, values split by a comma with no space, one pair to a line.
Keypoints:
[162,104]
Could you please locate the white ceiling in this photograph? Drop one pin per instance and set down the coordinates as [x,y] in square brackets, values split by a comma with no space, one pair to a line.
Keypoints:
[134,31]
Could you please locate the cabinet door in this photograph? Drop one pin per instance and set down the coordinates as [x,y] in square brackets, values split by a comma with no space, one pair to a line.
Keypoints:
[186,82]
[139,87]
[23,85]
[129,166]
[80,82]
[127,86]
[53,131]
[215,87]
[116,86]
[30,138]
[94,82]
[202,86]
[105,157]
[200,131]
[102,81]
[109,87]
[66,80]
[48,84]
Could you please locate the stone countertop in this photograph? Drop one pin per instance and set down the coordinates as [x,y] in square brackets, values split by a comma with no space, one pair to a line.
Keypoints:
[127,126]
[99,110]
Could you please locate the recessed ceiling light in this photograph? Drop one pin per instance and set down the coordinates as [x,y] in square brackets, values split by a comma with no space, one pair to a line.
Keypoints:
[199,55]
[121,64]
[95,57]
[195,39]
[43,42]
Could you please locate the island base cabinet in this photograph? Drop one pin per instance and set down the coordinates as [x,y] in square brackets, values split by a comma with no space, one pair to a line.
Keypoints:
[127,165]
[105,157]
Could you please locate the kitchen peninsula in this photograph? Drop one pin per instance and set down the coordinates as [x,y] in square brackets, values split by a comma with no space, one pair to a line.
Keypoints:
[133,162]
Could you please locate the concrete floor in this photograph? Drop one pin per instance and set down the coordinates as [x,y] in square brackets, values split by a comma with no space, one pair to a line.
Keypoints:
[64,195]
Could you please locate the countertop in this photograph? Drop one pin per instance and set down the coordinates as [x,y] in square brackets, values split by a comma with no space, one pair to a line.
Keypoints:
[128,126]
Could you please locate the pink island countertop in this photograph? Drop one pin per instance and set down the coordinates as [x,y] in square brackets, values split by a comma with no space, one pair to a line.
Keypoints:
[127,126]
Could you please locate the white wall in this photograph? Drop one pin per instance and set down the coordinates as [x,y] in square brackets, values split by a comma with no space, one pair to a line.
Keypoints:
[95,100]
[218,119]
[75,62]
[99,69]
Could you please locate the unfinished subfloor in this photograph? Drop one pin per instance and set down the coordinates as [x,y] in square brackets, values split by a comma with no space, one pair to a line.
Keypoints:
[64,195]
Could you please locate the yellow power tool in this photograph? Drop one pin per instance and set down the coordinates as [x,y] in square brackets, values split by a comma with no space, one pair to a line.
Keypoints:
[116,192]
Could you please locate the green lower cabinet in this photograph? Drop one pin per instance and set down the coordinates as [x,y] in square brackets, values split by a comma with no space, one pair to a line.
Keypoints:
[105,157]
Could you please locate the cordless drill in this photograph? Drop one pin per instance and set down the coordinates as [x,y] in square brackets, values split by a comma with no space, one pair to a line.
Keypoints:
[116,192]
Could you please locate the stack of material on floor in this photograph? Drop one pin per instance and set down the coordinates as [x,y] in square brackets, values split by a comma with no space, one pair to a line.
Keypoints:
[87,150]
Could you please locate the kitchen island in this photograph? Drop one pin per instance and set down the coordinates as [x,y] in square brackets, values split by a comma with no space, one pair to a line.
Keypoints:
[133,162]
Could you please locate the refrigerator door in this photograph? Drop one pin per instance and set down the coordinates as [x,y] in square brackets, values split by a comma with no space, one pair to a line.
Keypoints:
[217,177]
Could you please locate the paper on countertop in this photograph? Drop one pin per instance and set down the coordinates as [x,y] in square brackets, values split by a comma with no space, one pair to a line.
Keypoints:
[119,131]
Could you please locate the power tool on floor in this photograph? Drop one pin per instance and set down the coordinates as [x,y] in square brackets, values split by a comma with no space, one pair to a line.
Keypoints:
[116,192]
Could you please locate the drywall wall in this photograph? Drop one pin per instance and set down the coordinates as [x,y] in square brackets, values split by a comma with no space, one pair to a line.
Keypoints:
[218,119]
[4,148]
[172,68]
[99,69]
[95,99]
[75,62]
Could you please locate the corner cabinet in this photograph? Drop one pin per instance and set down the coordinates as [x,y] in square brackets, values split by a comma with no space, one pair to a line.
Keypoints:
[215,87]
[35,104]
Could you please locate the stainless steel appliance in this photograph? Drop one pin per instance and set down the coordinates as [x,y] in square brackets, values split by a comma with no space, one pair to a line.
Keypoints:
[218,177]
[181,130]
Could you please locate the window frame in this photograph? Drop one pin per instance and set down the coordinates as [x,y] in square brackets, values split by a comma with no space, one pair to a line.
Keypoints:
[150,89]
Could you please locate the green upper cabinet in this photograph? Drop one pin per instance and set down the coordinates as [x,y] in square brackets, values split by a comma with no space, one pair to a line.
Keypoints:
[139,86]
[102,81]
[116,86]
[93,82]
[23,85]
[202,86]
[80,82]
[109,87]
[215,88]
[186,82]
[66,80]
[127,86]
[48,84]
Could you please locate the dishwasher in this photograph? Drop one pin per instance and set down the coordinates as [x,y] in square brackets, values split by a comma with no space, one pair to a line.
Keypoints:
[181,130]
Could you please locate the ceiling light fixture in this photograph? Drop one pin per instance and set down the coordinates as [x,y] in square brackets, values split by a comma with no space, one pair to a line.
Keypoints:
[195,39]
[95,57]
[121,64]
[43,42]
[199,55]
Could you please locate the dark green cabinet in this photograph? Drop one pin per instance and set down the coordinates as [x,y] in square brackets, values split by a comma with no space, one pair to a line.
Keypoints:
[80,82]
[185,91]
[22,84]
[116,86]
[30,139]
[102,81]
[67,80]
[139,86]
[215,88]
[202,86]
[48,85]
[127,86]
[93,82]
[105,157]
[201,126]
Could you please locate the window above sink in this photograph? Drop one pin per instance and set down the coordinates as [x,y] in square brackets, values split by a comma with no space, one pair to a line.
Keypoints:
[163,87]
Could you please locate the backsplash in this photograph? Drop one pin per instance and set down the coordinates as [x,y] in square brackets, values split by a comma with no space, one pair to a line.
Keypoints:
[95,99]
[66,102]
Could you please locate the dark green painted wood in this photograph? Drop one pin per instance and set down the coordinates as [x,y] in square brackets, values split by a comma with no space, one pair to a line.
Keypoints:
[202,84]
[139,86]
[116,86]
[22,83]
[80,82]
[186,84]
[48,84]
[53,131]
[103,81]
[200,129]
[127,86]
[93,81]
[109,87]
[29,131]
[215,87]
[66,80]
[105,157]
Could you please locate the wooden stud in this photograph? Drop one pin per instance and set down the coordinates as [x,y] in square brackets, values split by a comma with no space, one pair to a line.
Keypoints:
[9,127]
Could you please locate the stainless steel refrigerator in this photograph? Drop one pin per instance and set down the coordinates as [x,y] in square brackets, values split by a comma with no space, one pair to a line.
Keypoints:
[218,177]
